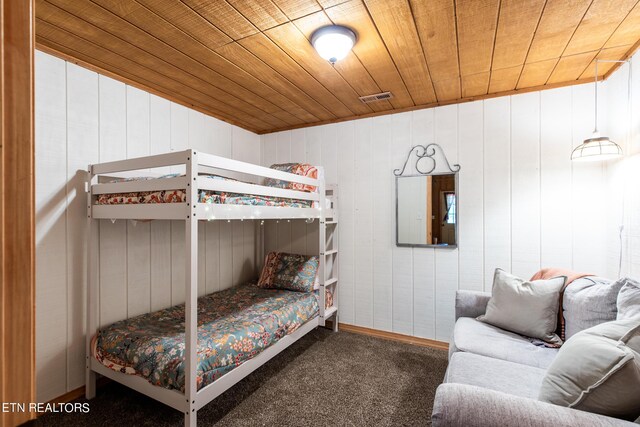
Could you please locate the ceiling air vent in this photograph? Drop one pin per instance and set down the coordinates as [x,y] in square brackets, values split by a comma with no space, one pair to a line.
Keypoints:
[376,97]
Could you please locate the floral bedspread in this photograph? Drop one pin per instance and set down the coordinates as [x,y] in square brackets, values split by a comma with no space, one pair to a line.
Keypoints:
[204,196]
[302,169]
[234,326]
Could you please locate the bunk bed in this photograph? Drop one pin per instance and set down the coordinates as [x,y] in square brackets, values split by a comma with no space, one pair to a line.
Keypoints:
[206,188]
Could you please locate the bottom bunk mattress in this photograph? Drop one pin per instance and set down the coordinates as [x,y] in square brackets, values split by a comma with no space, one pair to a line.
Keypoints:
[234,326]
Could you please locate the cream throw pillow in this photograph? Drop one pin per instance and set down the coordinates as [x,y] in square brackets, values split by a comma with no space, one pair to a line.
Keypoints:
[598,370]
[525,307]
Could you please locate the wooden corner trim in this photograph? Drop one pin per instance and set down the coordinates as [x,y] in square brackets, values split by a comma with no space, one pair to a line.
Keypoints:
[392,336]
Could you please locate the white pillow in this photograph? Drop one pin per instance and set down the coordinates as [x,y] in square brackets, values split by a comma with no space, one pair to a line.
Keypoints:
[598,370]
[525,307]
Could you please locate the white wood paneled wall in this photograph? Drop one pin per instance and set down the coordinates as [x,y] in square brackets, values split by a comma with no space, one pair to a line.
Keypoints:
[523,204]
[83,118]
[623,202]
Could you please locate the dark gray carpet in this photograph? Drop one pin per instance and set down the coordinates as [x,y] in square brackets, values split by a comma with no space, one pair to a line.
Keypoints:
[324,379]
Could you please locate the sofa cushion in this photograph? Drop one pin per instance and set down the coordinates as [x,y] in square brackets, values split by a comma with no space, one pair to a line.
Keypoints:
[473,336]
[525,307]
[628,299]
[588,302]
[465,405]
[495,374]
[598,370]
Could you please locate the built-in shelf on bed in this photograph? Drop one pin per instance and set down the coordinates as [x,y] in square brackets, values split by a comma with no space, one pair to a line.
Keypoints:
[205,188]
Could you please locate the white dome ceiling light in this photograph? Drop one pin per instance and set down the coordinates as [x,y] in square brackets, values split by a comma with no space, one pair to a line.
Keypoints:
[333,42]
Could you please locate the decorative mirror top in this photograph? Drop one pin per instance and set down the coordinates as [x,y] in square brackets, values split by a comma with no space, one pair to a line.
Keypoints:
[426,152]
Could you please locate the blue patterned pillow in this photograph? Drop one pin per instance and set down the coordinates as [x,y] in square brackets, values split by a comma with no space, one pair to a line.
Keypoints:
[289,271]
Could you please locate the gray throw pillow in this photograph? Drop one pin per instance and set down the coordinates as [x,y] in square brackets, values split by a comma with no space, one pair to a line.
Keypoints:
[629,299]
[525,307]
[588,302]
[598,370]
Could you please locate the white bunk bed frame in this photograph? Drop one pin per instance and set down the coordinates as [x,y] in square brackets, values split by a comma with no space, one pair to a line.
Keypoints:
[191,213]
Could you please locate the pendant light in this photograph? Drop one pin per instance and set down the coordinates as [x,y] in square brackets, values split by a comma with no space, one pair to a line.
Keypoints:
[333,42]
[596,148]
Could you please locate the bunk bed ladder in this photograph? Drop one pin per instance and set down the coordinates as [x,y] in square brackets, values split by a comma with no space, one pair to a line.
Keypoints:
[329,229]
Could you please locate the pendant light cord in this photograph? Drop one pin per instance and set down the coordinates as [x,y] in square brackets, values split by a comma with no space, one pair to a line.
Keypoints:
[624,165]
[595,130]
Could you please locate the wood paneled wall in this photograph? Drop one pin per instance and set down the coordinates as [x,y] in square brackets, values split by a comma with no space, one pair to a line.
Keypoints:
[623,201]
[17,227]
[83,118]
[522,203]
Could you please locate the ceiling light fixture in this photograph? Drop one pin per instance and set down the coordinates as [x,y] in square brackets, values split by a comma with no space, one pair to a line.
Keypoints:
[333,42]
[596,148]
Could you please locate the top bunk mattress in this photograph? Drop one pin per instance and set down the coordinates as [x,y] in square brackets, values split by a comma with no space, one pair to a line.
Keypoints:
[234,326]
[204,196]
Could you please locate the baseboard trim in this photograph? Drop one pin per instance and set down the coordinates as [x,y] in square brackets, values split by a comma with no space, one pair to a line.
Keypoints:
[407,339]
[69,396]
[74,394]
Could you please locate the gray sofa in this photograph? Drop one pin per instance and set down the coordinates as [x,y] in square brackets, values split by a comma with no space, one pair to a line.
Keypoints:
[494,377]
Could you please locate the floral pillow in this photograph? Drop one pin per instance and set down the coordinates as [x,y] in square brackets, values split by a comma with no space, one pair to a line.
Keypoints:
[301,169]
[289,271]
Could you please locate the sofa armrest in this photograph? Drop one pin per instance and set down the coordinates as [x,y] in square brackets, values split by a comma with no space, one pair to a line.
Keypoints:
[465,405]
[471,303]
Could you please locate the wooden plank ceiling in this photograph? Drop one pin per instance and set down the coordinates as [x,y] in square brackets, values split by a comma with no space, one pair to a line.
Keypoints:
[250,62]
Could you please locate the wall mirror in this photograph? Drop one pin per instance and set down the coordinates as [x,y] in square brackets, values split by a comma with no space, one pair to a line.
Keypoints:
[427,199]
